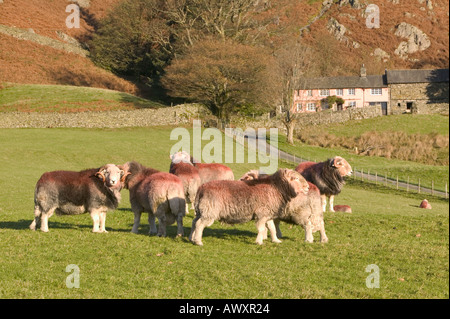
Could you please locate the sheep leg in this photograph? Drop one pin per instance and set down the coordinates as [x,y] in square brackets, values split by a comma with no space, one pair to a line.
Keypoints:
[37,217]
[152,224]
[308,232]
[103,221]
[162,226]
[273,231]
[44,219]
[137,210]
[180,229]
[323,236]
[199,226]
[331,203]
[324,202]
[261,227]
[277,226]
[192,233]
[95,215]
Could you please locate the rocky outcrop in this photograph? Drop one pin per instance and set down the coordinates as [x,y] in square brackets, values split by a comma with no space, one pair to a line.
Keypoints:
[381,55]
[417,40]
[339,31]
[30,35]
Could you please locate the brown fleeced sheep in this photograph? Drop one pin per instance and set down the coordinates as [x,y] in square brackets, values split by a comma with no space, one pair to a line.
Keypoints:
[212,171]
[235,202]
[304,210]
[328,176]
[72,193]
[160,194]
[425,204]
[182,167]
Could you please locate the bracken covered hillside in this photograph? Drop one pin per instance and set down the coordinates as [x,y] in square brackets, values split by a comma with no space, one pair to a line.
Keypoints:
[37,47]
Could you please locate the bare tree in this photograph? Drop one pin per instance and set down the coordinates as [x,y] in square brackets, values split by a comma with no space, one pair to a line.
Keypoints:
[294,64]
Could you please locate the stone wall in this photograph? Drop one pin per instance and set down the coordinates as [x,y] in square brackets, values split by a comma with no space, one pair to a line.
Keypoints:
[423,98]
[178,115]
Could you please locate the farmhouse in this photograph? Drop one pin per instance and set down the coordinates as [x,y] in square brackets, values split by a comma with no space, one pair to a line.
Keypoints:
[356,91]
[418,91]
[395,92]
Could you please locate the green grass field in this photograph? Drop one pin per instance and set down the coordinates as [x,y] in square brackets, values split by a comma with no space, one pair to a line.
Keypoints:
[409,245]
[66,98]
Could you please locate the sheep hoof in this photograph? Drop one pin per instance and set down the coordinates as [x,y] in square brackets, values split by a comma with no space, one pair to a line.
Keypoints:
[325,240]
[276,241]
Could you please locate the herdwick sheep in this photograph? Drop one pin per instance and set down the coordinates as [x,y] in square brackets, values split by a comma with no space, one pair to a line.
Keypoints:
[303,209]
[212,171]
[160,194]
[235,202]
[71,193]
[328,176]
[182,167]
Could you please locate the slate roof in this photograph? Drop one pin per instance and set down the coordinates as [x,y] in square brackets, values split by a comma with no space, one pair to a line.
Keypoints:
[417,76]
[345,82]
[376,81]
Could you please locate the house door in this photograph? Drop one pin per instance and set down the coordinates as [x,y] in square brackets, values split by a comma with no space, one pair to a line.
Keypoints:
[384,108]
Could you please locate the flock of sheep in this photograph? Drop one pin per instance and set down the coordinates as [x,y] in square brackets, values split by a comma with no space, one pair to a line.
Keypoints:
[293,196]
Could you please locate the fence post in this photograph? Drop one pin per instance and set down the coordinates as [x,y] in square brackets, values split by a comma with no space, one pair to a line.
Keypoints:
[376,178]
[419,186]
[446,194]
[397,182]
[385,179]
[407,185]
[362,174]
[432,187]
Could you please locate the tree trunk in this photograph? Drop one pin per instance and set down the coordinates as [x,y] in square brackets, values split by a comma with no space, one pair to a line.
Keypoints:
[290,126]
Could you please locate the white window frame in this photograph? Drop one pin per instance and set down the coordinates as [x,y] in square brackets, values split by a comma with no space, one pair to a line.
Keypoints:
[376,91]
[351,92]
[324,92]
[310,106]
[352,104]
[299,107]
[309,93]
[340,92]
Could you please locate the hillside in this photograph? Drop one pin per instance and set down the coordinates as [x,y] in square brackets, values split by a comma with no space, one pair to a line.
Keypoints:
[335,28]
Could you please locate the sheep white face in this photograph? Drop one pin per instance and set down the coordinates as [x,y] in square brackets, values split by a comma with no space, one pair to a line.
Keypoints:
[111,174]
[181,157]
[343,166]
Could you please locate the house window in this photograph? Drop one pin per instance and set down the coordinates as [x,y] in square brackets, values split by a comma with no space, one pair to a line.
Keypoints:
[339,92]
[376,91]
[351,91]
[309,93]
[311,106]
[325,92]
[299,107]
[352,104]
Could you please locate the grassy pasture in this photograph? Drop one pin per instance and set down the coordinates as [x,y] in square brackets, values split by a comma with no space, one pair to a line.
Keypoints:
[409,245]
[67,98]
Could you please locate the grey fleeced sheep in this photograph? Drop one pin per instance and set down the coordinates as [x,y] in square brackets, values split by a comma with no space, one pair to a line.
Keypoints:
[71,193]
[160,194]
[235,202]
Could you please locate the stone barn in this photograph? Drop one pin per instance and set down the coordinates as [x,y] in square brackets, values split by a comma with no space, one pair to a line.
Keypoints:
[418,91]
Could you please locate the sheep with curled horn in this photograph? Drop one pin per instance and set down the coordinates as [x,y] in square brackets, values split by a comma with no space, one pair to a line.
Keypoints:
[160,194]
[235,202]
[328,176]
[71,193]
[304,210]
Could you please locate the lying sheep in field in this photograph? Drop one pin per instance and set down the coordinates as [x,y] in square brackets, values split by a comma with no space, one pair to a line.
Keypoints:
[304,210]
[235,202]
[328,176]
[159,194]
[182,167]
[212,171]
[71,193]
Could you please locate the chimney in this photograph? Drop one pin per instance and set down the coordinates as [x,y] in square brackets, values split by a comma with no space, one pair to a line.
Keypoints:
[362,72]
